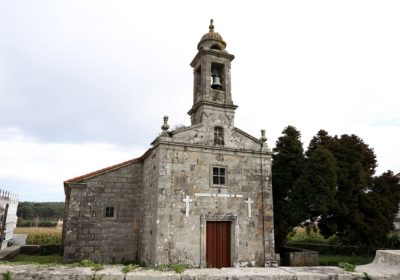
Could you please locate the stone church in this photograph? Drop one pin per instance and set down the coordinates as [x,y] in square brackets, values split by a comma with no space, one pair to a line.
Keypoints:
[201,195]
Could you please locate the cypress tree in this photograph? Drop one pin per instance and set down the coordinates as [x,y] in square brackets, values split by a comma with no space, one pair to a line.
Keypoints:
[314,192]
[287,168]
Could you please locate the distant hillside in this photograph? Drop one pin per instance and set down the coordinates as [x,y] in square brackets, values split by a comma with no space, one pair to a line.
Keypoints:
[42,210]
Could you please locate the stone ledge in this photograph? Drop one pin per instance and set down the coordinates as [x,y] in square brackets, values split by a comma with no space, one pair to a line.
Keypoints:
[387,257]
[9,252]
[384,267]
[32,272]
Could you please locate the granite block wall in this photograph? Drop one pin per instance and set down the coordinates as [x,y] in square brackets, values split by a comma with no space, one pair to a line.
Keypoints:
[88,234]
[148,209]
[187,170]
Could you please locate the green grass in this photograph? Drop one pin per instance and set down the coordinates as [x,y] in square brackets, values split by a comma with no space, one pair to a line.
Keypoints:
[25,258]
[334,260]
[177,267]
[347,266]
[7,275]
[129,268]
[88,263]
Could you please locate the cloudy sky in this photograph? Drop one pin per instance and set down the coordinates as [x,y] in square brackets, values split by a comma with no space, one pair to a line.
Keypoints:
[85,84]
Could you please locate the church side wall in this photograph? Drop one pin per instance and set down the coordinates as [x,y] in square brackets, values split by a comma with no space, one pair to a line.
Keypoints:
[148,210]
[88,233]
[186,171]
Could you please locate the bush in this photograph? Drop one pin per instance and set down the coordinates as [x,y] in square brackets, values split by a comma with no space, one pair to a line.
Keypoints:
[47,224]
[347,266]
[24,223]
[31,223]
[328,249]
[393,240]
[301,235]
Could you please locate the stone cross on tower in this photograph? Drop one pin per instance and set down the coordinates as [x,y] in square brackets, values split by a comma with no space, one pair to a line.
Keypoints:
[249,202]
[187,200]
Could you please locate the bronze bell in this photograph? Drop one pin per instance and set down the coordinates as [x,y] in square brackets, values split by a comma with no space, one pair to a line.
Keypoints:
[216,82]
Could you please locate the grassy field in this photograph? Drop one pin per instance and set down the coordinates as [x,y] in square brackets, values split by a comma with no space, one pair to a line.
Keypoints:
[48,259]
[29,230]
[334,260]
[40,236]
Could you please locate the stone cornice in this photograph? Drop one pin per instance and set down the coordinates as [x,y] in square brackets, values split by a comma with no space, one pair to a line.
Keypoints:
[200,103]
[161,141]
[211,52]
[248,135]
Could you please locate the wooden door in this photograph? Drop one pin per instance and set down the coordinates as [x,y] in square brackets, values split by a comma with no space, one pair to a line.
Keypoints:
[218,244]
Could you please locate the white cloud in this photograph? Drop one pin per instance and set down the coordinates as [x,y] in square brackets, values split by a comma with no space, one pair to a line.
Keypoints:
[82,80]
[42,167]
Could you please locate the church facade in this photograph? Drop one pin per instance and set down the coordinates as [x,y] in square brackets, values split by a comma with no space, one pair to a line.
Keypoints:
[201,195]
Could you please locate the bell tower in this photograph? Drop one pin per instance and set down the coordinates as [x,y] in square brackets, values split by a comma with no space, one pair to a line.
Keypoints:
[212,79]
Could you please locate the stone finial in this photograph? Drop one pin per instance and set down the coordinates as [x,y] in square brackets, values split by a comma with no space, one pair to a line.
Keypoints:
[211,25]
[263,138]
[165,126]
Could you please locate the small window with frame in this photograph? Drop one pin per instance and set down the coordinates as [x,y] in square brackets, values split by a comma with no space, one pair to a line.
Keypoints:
[219,176]
[110,212]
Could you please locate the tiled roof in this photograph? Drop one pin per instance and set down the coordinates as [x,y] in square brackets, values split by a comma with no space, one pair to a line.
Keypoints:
[107,169]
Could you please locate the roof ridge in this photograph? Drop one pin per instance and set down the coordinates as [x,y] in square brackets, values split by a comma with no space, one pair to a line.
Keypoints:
[106,169]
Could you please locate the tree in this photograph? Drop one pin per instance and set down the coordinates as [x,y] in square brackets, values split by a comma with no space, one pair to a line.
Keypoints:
[314,192]
[287,168]
[321,140]
[356,163]
[25,210]
[379,207]
[43,210]
[335,182]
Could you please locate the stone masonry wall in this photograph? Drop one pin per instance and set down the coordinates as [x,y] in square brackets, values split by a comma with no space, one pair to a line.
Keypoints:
[88,233]
[187,170]
[148,210]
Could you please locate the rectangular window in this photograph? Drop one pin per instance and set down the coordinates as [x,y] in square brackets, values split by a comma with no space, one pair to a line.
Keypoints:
[110,212]
[219,176]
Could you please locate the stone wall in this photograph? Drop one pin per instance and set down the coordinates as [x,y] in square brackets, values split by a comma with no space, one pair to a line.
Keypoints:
[148,209]
[298,257]
[88,234]
[187,170]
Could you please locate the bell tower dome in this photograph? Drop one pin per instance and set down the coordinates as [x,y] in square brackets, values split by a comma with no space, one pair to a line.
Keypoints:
[212,77]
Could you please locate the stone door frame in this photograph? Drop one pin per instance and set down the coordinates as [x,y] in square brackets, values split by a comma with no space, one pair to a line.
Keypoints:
[203,229]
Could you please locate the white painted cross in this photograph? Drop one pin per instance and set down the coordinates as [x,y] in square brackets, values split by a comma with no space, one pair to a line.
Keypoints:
[249,202]
[187,200]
